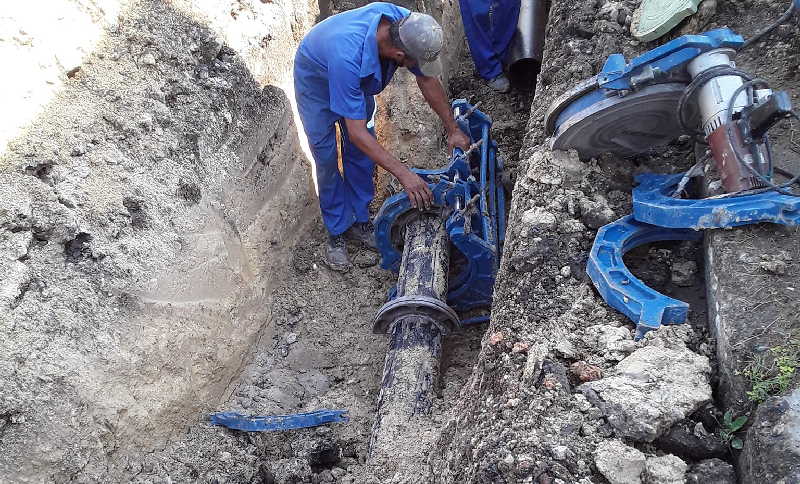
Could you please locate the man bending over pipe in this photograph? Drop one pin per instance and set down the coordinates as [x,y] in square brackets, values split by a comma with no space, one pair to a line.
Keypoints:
[340,65]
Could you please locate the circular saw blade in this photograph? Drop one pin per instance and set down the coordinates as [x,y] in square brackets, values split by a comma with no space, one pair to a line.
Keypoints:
[623,125]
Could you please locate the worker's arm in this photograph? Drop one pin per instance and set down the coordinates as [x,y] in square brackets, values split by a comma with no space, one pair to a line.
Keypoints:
[434,93]
[418,192]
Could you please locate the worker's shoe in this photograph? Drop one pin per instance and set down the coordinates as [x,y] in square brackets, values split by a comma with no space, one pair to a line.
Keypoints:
[364,233]
[500,83]
[336,254]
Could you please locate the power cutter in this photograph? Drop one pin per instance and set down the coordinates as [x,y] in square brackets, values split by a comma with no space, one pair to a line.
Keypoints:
[690,85]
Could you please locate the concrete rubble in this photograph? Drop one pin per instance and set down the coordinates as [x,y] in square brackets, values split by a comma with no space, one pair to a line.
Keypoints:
[651,390]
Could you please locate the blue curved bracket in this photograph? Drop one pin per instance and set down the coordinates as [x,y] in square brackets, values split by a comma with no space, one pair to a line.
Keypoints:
[237,421]
[648,308]
[444,194]
[477,230]
[653,204]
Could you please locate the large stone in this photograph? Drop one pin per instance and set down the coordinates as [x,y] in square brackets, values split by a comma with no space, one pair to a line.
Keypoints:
[772,447]
[651,390]
[666,469]
[711,471]
[619,463]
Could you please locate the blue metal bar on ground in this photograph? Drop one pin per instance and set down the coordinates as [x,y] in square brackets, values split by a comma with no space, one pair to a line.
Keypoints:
[272,423]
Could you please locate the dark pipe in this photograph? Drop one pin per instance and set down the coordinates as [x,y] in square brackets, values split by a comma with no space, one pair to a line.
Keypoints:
[524,59]
[412,362]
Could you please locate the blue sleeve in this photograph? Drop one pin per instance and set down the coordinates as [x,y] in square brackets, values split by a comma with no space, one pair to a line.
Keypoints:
[344,84]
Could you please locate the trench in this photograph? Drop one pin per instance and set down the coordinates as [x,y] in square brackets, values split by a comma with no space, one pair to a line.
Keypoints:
[300,337]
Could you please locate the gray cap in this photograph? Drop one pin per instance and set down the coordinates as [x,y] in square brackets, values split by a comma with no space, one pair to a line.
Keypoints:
[420,36]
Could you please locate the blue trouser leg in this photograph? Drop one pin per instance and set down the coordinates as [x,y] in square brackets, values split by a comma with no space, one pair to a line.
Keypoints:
[359,169]
[335,209]
[489,26]
[343,200]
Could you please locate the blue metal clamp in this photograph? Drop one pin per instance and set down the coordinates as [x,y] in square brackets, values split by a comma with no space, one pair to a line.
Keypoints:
[237,421]
[648,308]
[467,190]
[653,204]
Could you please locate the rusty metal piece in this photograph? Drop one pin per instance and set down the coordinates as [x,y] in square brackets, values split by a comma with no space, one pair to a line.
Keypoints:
[736,177]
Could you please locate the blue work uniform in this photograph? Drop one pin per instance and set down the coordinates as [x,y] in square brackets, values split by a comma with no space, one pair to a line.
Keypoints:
[489,26]
[337,71]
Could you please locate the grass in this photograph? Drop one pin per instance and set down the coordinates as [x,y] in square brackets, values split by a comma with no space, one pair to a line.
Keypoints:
[772,372]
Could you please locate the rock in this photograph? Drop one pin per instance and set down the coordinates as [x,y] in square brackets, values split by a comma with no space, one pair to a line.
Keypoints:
[495,338]
[666,469]
[291,471]
[15,279]
[365,258]
[291,338]
[711,471]
[539,219]
[683,273]
[772,446]
[684,442]
[566,349]
[566,271]
[586,372]
[148,59]
[520,347]
[774,266]
[560,452]
[595,214]
[619,463]
[652,389]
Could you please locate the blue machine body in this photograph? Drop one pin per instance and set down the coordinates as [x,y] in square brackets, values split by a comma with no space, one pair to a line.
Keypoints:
[645,306]
[272,423]
[653,204]
[656,214]
[467,191]
[658,65]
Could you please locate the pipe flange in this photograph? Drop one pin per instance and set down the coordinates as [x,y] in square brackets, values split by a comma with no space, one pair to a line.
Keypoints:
[443,315]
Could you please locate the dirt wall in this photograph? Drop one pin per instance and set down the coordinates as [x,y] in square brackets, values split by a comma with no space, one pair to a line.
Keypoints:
[560,391]
[147,211]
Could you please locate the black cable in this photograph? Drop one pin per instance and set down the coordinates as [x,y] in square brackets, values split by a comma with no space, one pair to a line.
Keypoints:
[696,84]
[783,18]
[781,188]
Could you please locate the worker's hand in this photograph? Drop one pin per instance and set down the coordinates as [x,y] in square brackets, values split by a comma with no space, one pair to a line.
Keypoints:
[419,194]
[457,138]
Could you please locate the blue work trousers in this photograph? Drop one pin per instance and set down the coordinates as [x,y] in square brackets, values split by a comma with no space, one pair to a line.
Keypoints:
[344,197]
[489,26]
